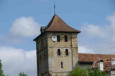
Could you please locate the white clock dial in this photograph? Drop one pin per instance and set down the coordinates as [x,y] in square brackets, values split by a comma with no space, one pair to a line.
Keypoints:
[54,38]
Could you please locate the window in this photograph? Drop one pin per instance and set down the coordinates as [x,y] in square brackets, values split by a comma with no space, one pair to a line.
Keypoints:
[65,38]
[66,52]
[61,64]
[59,52]
[58,38]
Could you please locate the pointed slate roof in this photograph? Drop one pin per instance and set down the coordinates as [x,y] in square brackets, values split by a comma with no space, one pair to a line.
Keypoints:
[58,25]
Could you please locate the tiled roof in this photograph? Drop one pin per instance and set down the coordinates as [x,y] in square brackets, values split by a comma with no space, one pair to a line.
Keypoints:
[58,25]
[93,57]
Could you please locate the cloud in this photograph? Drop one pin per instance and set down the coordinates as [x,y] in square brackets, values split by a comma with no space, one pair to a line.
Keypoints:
[92,30]
[22,30]
[100,39]
[85,50]
[25,27]
[18,60]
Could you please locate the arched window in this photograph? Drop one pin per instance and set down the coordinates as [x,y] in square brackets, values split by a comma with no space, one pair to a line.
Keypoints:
[59,52]
[66,52]
[65,38]
[61,64]
[58,38]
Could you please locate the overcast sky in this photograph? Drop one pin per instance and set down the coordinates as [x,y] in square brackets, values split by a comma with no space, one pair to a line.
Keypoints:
[20,22]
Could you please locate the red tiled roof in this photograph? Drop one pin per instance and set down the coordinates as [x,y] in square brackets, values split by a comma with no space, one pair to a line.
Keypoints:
[58,25]
[93,57]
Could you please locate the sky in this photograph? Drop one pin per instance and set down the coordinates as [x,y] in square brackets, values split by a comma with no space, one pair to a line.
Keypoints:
[20,22]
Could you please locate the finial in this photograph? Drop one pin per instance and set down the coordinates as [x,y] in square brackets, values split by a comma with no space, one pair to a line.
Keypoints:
[54,8]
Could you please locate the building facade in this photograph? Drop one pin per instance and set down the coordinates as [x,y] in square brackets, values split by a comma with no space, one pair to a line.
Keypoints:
[57,48]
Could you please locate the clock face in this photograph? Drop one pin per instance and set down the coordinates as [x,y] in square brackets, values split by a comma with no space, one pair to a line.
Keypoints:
[54,38]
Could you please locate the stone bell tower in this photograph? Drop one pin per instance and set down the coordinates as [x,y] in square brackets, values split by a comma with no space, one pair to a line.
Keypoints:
[57,48]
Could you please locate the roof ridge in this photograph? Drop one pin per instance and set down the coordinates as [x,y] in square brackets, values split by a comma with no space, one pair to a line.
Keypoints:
[50,21]
[95,54]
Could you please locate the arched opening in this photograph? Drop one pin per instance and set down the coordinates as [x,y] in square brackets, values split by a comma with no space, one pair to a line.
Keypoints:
[61,64]
[66,52]
[59,52]
[65,38]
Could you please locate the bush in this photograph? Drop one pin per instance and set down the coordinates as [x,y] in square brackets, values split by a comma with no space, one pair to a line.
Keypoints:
[22,74]
[86,72]
[78,72]
[1,71]
[96,72]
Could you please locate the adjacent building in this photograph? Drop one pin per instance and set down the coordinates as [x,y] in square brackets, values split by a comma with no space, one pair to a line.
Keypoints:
[104,62]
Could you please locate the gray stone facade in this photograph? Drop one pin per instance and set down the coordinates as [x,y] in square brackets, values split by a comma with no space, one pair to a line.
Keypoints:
[48,60]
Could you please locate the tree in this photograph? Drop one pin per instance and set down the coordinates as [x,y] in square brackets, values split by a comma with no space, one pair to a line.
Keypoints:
[22,74]
[1,71]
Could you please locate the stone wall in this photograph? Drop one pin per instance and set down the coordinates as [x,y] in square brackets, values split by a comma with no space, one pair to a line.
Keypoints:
[48,62]
[42,55]
[69,61]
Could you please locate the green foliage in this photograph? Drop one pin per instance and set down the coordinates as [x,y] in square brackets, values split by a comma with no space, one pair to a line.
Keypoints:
[96,72]
[86,72]
[56,75]
[22,74]
[78,72]
[1,71]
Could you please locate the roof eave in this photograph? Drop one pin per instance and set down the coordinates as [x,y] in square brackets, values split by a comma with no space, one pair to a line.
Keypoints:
[38,36]
[65,31]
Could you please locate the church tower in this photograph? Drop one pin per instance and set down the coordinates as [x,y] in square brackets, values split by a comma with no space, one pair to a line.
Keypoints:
[57,48]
